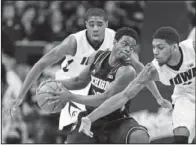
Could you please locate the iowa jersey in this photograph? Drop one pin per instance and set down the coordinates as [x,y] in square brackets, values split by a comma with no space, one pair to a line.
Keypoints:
[184,78]
[102,74]
[73,65]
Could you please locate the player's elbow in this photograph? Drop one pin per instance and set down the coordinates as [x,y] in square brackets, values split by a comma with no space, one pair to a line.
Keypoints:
[80,83]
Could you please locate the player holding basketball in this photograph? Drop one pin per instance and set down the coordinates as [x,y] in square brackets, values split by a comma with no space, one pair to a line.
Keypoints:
[174,64]
[76,47]
[109,73]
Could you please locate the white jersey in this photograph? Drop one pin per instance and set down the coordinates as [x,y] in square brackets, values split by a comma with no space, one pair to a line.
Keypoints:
[73,65]
[192,34]
[184,78]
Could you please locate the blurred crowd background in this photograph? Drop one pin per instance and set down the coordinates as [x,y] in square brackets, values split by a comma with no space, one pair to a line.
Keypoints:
[32,28]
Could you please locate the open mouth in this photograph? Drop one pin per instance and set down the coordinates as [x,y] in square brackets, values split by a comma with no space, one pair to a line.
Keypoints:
[125,54]
[95,35]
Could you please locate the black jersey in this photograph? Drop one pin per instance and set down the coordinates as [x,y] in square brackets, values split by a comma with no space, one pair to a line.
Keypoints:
[102,74]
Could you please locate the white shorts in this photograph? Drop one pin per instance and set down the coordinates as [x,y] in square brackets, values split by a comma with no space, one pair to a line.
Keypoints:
[184,115]
[69,113]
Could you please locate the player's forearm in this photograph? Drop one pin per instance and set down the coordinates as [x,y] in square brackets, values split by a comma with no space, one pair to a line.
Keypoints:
[74,83]
[154,90]
[128,93]
[151,85]
[33,75]
[116,101]
[90,100]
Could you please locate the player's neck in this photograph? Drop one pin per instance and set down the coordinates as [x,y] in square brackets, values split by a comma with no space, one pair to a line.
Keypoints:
[175,59]
[93,42]
[112,60]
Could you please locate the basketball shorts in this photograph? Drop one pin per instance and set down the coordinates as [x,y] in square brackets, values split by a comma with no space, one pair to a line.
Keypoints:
[116,131]
[184,114]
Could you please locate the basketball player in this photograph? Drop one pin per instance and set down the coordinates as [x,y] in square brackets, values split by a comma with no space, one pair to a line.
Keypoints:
[76,47]
[109,73]
[174,64]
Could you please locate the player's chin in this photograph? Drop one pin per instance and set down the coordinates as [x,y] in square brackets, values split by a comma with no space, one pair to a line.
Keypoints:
[123,57]
[160,62]
[96,38]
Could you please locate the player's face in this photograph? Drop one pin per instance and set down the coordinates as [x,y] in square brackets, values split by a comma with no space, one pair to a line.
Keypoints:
[162,50]
[96,28]
[124,47]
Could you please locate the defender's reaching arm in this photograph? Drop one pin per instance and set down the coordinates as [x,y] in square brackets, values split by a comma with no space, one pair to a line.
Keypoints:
[151,85]
[67,47]
[149,73]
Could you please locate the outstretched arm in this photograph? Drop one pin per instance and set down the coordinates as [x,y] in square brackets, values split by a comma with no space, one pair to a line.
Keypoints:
[124,75]
[151,84]
[147,74]
[67,47]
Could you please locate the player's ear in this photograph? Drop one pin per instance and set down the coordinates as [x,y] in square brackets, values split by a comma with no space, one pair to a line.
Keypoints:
[106,24]
[86,23]
[114,42]
[175,47]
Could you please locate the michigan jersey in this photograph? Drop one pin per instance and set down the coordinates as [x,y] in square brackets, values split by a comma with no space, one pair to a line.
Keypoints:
[73,65]
[102,74]
[184,78]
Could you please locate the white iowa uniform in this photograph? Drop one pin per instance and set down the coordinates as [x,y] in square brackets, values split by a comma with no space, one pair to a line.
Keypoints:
[73,65]
[183,96]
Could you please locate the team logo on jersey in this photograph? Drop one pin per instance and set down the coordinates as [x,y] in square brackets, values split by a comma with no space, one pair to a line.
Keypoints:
[183,77]
[110,76]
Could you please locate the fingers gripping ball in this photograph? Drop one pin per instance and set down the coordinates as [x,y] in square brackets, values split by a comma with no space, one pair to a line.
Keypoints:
[41,95]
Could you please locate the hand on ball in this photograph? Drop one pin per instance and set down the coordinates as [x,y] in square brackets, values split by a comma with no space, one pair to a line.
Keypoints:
[62,96]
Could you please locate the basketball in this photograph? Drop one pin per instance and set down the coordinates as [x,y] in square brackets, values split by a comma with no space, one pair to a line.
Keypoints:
[42,94]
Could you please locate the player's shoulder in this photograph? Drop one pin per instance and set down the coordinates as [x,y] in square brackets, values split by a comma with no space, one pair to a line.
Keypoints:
[126,70]
[186,44]
[110,31]
[80,33]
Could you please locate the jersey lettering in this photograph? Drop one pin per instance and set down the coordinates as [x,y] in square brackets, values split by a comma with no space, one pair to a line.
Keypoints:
[65,69]
[183,77]
[99,83]
[84,61]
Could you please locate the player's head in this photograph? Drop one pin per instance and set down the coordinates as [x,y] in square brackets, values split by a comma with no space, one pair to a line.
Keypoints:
[165,43]
[96,22]
[125,42]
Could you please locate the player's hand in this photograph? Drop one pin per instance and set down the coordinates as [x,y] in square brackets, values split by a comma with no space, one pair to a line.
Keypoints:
[134,57]
[13,110]
[85,126]
[164,103]
[62,96]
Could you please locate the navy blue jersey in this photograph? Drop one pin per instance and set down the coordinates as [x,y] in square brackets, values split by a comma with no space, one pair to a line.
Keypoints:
[102,74]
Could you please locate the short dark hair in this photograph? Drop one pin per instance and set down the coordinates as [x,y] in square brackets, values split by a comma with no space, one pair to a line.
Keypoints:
[129,32]
[126,31]
[167,33]
[95,12]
